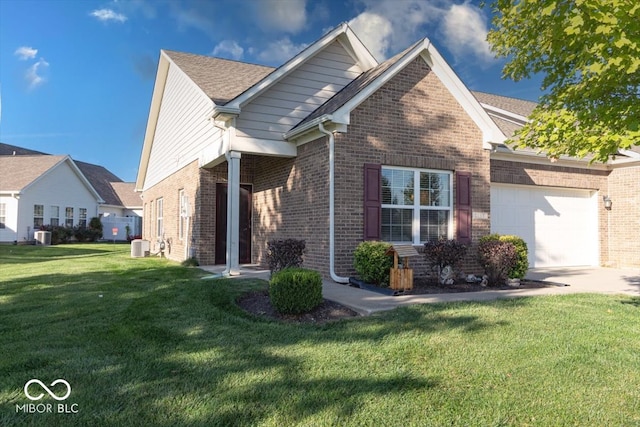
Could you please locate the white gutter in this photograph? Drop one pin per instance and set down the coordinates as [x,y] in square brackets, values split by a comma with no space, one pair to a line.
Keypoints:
[332,237]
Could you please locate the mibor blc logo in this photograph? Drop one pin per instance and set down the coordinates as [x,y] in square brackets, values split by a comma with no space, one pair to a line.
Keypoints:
[35,390]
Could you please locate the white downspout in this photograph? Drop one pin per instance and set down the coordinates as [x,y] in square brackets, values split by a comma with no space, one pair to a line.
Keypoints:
[332,237]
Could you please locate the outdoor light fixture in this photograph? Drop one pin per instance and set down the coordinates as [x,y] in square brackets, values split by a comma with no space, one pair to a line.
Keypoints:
[607,202]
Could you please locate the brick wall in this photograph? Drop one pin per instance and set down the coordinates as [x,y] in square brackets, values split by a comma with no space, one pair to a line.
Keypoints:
[624,217]
[411,121]
[291,200]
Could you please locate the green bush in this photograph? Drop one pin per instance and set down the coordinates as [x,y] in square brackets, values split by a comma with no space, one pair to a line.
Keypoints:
[371,263]
[59,234]
[519,270]
[285,253]
[295,290]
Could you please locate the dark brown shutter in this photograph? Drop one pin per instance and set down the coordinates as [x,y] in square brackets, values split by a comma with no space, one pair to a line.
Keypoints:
[372,201]
[463,207]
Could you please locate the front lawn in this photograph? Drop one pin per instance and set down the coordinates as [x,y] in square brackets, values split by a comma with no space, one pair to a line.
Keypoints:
[146,342]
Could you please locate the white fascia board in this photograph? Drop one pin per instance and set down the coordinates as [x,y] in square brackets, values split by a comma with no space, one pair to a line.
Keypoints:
[491,133]
[152,121]
[506,115]
[358,51]
[541,159]
[307,127]
[264,147]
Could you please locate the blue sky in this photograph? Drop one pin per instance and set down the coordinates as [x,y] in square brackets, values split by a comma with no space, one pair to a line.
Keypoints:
[76,77]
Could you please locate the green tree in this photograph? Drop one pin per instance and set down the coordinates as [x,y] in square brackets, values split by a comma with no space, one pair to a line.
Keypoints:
[588,52]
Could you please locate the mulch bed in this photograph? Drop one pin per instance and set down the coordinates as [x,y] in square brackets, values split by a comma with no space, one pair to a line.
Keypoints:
[259,304]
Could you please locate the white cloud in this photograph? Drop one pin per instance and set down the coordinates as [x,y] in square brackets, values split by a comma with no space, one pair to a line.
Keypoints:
[34,74]
[374,31]
[26,52]
[465,28]
[228,48]
[280,51]
[278,15]
[106,15]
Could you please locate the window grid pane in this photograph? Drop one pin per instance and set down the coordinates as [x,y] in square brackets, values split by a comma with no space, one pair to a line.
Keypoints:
[416,205]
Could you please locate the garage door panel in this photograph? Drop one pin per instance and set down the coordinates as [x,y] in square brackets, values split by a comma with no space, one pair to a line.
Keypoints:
[559,225]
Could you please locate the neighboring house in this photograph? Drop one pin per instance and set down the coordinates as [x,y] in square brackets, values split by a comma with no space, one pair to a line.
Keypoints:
[38,190]
[116,200]
[334,148]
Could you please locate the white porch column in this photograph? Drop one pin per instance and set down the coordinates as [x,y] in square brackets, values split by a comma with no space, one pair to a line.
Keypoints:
[233,213]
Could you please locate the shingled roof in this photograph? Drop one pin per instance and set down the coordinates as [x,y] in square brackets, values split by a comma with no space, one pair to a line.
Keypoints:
[221,79]
[513,105]
[101,179]
[127,194]
[20,171]
[14,150]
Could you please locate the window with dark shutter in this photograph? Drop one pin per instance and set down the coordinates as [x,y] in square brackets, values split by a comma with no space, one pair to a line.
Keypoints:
[372,201]
[463,207]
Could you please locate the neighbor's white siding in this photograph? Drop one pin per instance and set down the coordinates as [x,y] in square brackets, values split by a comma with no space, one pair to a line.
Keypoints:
[297,95]
[184,130]
[58,187]
[8,234]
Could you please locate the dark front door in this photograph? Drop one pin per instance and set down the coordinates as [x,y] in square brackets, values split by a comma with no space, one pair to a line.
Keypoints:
[221,224]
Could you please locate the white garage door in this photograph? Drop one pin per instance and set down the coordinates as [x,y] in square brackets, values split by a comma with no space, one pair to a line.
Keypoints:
[559,225]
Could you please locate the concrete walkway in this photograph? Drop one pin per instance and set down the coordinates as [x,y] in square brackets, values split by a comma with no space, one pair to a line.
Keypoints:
[578,279]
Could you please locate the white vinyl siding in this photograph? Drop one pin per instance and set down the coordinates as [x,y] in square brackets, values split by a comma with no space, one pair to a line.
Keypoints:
[299,94]
[184,129]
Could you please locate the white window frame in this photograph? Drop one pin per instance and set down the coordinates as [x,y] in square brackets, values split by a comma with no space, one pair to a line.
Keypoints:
[160,217]
[417,208]
[181,214]
[38,214]
[54,215]
[82,217]
[3,215]
[68,220]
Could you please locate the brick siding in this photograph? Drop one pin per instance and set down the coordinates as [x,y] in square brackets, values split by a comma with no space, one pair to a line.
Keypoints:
[624,217]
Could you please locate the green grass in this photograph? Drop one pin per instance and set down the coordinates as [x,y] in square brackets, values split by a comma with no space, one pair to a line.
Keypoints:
[147,342]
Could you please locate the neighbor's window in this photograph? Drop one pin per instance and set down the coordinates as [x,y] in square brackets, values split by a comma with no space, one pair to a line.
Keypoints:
[182,213]
[54,220]
[159,216]
[82,217]
[68,217]
[416,205]
[3,215]
[38,216]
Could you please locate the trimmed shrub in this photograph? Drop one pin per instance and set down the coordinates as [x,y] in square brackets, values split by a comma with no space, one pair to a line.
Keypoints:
[59,234]
[497,258]
[371,263]
[442,253]
[295,290]
[285,253]
[521,267]
[95,225]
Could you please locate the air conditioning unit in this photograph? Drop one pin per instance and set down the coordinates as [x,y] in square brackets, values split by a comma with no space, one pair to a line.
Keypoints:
[139,248]
[43,238]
